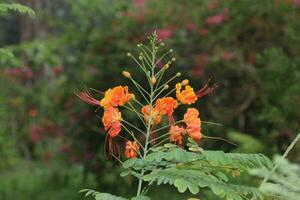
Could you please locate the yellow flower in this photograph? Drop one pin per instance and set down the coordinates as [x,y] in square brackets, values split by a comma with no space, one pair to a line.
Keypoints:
[186,96]
[117,96]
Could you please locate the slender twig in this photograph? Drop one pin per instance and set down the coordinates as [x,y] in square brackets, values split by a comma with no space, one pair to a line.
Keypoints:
[175,76]
[133,126]
[161,128]
[212,123]
[283,156]
[160,143]
[219,138]
[170,92]
[131,133]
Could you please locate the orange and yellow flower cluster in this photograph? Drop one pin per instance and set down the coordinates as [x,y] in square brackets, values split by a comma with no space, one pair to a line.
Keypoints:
[118,96]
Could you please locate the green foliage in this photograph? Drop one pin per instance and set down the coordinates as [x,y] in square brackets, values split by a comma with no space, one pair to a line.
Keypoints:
[4,7]
[107,196]
[246,143]
[284,182]
[193,171]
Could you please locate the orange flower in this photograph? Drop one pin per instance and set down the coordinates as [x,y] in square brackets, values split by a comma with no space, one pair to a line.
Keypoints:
[118,96]
[190,115]
[194,129]
[166,105]
[193,123]
[156,118]
[187,96]
[176,134]
[111,121]
[131,149]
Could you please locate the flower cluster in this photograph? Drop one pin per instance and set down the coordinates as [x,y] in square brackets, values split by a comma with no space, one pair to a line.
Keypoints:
[156,108]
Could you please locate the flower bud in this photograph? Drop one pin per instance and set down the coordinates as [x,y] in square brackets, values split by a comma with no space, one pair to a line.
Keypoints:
[126,74]
[185,82]
[141,57]
[128,54]
[167,66]
[153,80]
[173,59]
[166,87]
[178,74]
[133,97]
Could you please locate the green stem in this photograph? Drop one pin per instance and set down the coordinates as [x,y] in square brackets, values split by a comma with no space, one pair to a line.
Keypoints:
[283,156]
[148,130]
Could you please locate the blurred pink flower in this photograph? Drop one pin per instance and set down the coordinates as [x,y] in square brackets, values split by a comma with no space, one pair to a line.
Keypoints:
[34,133]
[65,149]
[228,55]
[139,3]
[200,62]
[297,3]
[190,26]
[215,20]
[164,34]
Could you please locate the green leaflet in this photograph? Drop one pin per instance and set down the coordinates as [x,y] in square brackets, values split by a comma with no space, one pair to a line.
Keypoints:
[100,196]
[284,181]
[194,180]
[107,196]
[4,7]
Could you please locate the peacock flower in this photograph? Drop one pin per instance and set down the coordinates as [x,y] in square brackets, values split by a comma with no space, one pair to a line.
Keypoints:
[166,105]
[117,96]
[156,117]
[193,122]
[176,134]
[131,149]
[112,121]
[186,96]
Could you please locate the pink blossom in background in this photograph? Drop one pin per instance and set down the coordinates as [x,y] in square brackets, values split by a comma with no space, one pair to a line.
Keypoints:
[190,26]
[215,20]
[226,11]
[139,3]
[297,3]
[200,62]
[65,149]
[164,34]
[34,133]
[228,55]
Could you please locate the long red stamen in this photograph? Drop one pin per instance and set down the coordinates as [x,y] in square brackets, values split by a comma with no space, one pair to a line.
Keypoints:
[206,89]
[87,98]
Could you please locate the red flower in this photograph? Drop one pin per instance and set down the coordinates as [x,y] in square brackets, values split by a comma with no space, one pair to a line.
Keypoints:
[131,149]
[166,105]
[111,121]
[193,123]
[176,134]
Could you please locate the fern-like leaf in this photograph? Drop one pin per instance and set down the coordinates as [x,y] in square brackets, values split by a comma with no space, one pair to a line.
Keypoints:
[194,180]
[100,196]
[4,7]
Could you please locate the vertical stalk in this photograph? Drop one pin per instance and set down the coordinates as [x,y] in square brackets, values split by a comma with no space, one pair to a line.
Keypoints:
[148,132]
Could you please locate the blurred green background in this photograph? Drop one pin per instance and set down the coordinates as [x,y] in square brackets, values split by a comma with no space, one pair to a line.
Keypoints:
[51,144]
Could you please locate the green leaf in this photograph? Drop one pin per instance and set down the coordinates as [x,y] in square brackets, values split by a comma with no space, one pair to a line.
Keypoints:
[129,163]
[181,185]
[6,53]
[4,7]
